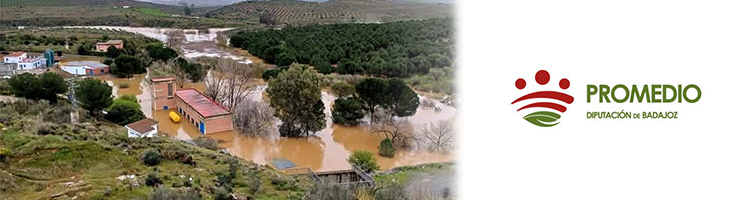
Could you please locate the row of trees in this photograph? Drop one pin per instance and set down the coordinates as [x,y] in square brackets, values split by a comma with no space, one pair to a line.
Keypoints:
[92,94]
[31,86]
[392,49]
[392,96]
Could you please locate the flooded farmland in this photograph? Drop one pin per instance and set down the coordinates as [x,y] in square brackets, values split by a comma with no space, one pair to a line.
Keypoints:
[327,150]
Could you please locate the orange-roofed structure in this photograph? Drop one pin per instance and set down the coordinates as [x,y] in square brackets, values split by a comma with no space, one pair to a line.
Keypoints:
[195,107]
[202,112]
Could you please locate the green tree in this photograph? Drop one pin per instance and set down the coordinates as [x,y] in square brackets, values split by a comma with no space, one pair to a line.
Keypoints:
[94,95]
[347,66]
[295,94]
[82,50]
[386,148]
[52,85]
[285,59]
[371,91]
[159,52]
[113,52]
[400,99]
[392,95]
[126,66]
[124,111]
[31,86]
[188,11]
[347,111]
[364,160]
[342,89]
[129,47]
[25,85]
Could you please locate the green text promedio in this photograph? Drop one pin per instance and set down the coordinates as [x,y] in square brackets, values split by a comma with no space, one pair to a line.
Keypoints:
[647,93]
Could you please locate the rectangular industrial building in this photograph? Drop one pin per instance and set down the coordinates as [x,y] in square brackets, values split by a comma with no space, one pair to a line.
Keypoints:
[202,112]
[85,68]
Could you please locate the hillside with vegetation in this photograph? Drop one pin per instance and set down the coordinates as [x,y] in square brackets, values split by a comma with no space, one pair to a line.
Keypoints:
[66,40]
[102,12]
[335,11]
[44,155]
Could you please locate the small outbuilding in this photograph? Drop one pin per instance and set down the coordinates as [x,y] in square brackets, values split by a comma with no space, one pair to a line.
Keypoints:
[143,128]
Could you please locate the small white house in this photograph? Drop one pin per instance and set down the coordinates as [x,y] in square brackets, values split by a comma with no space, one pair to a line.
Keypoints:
[143,128]
[32,63]
[15,57]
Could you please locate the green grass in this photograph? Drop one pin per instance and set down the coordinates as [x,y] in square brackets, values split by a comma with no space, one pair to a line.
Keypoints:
[154,12]
[400,175]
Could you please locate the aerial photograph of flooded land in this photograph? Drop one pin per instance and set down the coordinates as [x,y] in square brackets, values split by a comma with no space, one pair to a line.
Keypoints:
[227,99]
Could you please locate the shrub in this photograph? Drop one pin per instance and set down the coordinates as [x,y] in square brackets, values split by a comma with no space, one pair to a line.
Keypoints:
[386,148]
[253,183]
[151,157]
[221,193]
[164,193]
[283,183]
[206,142]
[364,160]
[224,179]
[391,193]
[342,89]
[329,192]
[153,179]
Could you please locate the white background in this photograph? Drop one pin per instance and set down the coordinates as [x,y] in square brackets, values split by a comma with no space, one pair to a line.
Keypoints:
[705,154]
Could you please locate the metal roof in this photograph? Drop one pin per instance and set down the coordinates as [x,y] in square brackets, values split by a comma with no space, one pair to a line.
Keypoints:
[201,103]
[92,64]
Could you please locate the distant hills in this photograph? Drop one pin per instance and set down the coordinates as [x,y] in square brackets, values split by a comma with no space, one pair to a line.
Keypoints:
[228,2]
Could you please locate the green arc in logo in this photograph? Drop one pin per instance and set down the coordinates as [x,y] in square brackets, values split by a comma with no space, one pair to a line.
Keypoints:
[543,118]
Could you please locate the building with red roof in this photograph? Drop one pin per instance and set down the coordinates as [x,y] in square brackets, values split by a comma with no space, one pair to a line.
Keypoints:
[202,112]
[195,107]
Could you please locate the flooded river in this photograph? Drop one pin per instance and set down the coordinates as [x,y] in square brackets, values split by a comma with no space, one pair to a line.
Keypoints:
[327,150]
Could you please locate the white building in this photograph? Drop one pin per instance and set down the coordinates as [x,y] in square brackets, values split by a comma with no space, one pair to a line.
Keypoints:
[85,68]
[143,128]
[32,63]
[15,57]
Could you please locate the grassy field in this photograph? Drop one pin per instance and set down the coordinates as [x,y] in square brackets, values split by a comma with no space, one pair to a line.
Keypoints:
[335,11]
[51,158]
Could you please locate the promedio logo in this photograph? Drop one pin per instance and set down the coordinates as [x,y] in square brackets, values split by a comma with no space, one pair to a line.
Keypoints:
[549,114]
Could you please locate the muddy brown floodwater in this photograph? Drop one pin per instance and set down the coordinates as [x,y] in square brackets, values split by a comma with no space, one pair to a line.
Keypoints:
[326,150]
